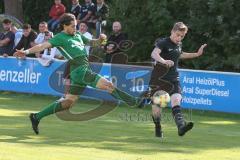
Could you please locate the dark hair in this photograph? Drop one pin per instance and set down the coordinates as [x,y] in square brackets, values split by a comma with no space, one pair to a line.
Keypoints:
[84,22]
[7,21]
[66,19]
[26,26]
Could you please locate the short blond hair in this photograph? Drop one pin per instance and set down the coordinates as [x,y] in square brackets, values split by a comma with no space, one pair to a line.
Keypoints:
[180,26]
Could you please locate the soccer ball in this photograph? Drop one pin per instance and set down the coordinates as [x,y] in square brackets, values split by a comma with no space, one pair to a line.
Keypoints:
[161,98]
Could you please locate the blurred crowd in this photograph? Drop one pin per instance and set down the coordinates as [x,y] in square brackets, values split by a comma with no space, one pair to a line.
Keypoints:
[91,18]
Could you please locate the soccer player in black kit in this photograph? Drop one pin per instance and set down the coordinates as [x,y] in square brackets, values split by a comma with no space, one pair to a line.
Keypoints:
[165,76]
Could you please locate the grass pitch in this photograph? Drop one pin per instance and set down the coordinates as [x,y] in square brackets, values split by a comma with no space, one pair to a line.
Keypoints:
[123,134]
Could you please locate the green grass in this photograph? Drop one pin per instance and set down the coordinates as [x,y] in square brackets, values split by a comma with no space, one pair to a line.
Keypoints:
[123,134]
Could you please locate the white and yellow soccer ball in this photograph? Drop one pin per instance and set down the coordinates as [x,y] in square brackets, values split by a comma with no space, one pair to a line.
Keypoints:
[161,98]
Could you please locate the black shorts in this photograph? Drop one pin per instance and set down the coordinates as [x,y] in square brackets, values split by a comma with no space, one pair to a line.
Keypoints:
[170,87]
[158,83]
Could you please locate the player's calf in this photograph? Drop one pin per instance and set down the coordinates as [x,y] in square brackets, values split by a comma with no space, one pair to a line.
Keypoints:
[182,125]
[158,128]
[156,117]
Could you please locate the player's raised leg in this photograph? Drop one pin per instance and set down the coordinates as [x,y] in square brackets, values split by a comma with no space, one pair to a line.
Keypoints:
[182,125]
[104,84]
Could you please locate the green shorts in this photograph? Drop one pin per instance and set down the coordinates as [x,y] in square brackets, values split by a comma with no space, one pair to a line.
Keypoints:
[82,76]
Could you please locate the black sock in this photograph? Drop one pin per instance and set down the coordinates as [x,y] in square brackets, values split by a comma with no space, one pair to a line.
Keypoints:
[178,116]
[121,95]
[156,121]
[176,110]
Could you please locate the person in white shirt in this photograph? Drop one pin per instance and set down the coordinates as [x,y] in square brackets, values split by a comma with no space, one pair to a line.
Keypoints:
[48,54]
[18,34]
[83,29]
[43,28]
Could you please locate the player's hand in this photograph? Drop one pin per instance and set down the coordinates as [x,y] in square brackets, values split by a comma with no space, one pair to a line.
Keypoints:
[38,55]
[200,50]
[169,63]
[19,54]
[103,39]
[104,23]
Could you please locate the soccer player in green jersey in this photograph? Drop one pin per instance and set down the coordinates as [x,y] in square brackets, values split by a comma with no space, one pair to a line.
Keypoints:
[71,44]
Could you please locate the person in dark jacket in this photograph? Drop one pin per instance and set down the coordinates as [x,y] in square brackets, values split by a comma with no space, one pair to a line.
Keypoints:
[27,40]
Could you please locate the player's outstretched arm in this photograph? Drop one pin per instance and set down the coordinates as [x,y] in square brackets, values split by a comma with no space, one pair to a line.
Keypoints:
[35,49]
[98,42]
[186,55]
[156,56]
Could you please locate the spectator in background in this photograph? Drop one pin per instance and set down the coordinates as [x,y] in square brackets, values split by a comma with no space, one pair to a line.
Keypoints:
[43,31]
[50,53]
[100,14]
[46,57]
[6,39]
[55,13]
[43,27]
[83,29]
[18,34]
[112,46]
[27,40]
[75,9]
[86,11]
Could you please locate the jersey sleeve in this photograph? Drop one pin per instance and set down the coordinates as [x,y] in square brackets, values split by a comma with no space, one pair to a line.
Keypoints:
[160,44]
[55,41]
[85,39]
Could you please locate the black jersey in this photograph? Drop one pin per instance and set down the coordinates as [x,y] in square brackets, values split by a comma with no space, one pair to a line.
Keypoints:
[170,51]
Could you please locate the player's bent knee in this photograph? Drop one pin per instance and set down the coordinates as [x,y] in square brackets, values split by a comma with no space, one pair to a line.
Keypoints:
[176,99]
[110,84]
[110,87]
[156,110]
[68,101]
[103,84]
